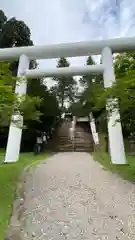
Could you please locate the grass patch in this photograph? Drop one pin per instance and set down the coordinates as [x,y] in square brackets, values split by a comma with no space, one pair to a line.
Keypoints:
[9,176]
[125,171]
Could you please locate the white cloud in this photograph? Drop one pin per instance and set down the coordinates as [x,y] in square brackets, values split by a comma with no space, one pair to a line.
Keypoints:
[56,21]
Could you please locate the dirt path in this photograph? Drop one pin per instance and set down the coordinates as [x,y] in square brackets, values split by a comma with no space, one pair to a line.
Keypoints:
[72,197]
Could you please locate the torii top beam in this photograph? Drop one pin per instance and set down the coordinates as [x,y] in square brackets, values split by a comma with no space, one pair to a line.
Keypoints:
[69,49]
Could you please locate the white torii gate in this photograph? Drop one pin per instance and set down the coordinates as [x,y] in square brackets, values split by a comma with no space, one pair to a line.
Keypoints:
[104,47]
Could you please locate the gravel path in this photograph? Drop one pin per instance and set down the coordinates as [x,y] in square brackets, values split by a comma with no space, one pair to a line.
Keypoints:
[72,197]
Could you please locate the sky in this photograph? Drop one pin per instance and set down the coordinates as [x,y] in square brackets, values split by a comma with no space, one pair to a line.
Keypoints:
[60,21]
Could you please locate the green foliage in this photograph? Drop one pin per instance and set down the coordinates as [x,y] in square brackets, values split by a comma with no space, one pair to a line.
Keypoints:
[49,105]
[91,84]
[3,20]
[86,101]
[77,109]
[124,63]
[10,102]
[40,106]
[13,32]
[29,108]
[123,90]
[65,87]
[7,97]
[95,97]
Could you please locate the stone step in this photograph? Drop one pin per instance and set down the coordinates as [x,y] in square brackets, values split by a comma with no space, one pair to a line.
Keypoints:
[74,150]
[82,144]
[83,150]
[83,140]
[84,137]
[81,147]
[64,149]
[76,145]
[64,145]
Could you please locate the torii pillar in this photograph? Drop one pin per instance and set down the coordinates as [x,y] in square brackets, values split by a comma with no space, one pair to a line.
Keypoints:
[116,142]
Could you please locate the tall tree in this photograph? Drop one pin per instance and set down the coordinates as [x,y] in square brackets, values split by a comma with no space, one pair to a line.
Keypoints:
[124,90]
[90,83]
[3,20]
[36,116]
[13,32]
[65,86]
[49,106]
[9,101]
[49,110]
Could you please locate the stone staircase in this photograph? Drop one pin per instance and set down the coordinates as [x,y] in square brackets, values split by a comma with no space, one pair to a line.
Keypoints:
[64,143]
[83,142]
[83,138]
[60,140]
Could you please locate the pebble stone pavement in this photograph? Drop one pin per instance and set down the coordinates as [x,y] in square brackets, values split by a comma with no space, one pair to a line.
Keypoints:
[70,196]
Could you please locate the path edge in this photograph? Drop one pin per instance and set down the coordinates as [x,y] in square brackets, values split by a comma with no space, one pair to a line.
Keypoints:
[14,231]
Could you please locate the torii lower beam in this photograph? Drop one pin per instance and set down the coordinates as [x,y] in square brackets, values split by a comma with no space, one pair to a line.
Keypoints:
[66,71]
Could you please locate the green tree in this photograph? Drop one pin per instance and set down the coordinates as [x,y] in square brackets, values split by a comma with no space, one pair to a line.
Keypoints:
[65,87]
[13,32]
[10,102]
[38,115]
[124,63]
[49,106]
[123,90]
[78,108]
[17,33]
[90,83]
[3,20]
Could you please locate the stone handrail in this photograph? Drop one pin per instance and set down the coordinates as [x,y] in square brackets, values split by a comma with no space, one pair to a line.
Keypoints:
[72,130]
